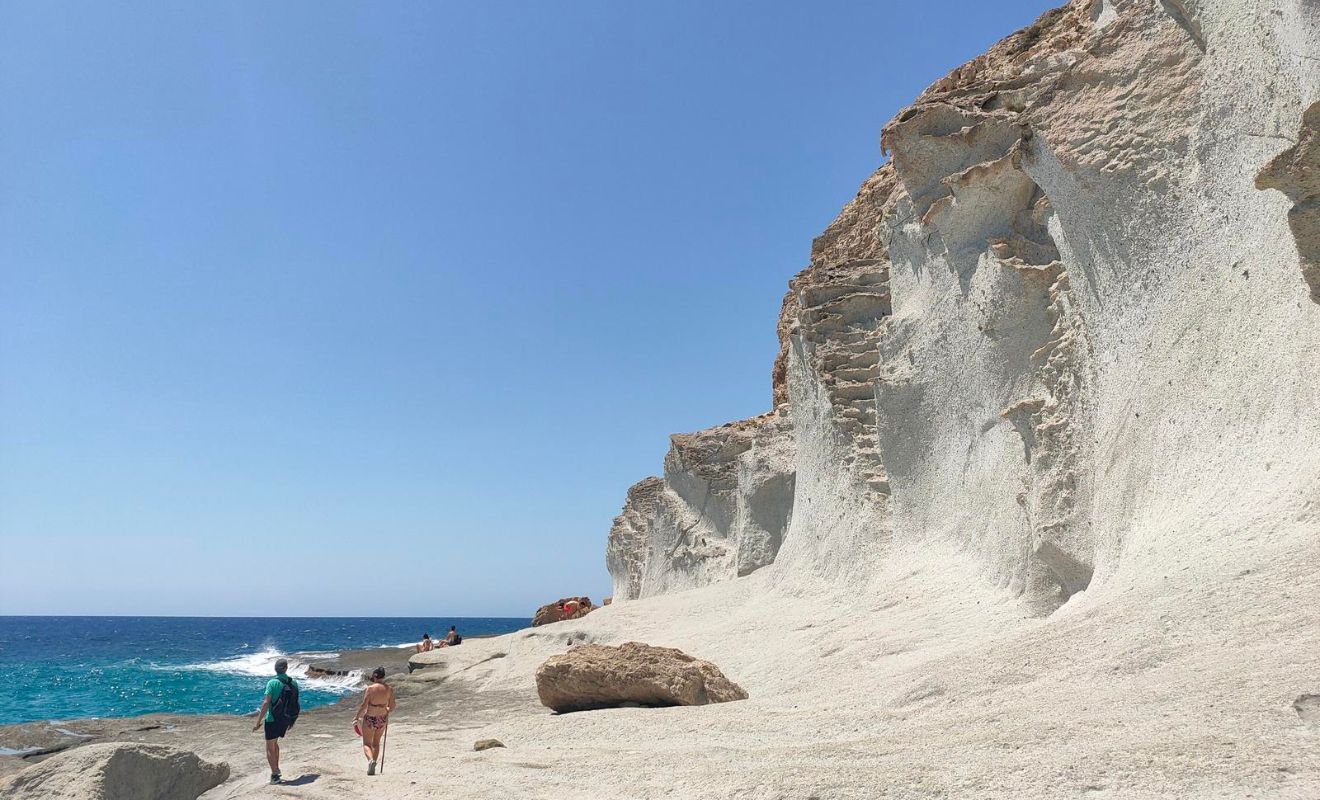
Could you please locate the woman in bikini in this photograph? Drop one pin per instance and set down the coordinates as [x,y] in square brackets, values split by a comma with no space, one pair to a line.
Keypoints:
[373,715]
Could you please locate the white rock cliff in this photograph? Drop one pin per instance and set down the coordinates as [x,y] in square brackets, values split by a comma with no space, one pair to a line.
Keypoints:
[1069,325]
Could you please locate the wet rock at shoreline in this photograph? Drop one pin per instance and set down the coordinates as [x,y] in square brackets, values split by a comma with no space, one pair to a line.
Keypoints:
[393,659]
[593,676]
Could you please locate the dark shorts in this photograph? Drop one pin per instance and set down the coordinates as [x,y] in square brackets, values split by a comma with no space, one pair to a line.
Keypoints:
[275,730]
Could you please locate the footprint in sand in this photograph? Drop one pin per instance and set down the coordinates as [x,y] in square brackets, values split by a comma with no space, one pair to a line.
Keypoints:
[1307,707]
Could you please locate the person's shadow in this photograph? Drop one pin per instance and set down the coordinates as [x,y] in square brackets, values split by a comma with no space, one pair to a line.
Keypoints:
[301,780]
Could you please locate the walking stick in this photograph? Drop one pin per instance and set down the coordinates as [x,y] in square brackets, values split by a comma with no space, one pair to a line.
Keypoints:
[383,738]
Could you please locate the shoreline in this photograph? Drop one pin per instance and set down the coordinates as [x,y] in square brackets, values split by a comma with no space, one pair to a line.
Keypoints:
[425,695]
[349,662]
[23,744]
[904,690]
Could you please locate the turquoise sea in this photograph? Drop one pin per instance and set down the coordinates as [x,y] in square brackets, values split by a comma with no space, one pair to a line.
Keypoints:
[59,668]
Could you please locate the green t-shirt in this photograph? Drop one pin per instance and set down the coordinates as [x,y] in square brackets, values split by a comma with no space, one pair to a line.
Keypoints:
[273,688]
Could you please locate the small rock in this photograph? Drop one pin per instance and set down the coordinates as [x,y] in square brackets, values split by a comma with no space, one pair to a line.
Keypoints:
[486,744]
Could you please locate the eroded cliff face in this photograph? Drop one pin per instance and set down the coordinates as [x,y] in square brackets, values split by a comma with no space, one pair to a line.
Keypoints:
[1296,173]
[720,511]
[1061,328]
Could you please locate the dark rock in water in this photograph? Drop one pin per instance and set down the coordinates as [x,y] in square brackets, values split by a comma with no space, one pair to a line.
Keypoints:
[117,771]
[592,676]
[555,612]
[486,744]
[393,659]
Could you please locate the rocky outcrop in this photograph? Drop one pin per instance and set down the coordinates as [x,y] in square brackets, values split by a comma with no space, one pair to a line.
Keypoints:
[593,676]
[1024,340]
[354,664]
[720,511]
[444,662]
[555,612]
[117,771]
[1296,173]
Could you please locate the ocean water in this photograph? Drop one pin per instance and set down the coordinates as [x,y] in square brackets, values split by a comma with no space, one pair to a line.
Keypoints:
[58,668]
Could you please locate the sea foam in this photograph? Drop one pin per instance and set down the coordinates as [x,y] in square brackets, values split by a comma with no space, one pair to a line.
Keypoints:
[262,664]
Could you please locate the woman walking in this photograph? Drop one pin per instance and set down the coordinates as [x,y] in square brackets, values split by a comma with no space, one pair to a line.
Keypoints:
[373,715]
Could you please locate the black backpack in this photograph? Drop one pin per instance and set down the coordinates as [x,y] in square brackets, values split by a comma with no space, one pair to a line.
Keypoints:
[458,639]
[286,708]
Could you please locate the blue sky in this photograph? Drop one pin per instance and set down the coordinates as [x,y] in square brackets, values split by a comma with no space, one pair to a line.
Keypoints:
[378,309]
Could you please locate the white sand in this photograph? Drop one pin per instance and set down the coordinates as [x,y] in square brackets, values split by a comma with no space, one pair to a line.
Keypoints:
[932,687]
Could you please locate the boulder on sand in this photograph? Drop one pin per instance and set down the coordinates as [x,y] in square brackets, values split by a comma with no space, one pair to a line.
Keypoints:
[117,771]
[562,609]
[600,676]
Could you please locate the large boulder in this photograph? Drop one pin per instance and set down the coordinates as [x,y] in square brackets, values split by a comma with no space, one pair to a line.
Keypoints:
[600,676]
[117,771]
[555,612]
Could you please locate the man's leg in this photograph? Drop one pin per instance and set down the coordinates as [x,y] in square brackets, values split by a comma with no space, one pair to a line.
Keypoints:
[273,755]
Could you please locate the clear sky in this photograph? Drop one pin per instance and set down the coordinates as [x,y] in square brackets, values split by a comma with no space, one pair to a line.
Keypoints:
[316,308]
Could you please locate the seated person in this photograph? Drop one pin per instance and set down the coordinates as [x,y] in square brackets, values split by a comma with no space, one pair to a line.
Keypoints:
[452,638]
[426,644]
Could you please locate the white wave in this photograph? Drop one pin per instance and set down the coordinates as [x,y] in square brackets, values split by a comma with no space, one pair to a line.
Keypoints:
[256,664]
[262,665]
[396,646]
[335,684]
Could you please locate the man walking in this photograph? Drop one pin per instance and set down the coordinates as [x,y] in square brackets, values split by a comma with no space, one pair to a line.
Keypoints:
[279,710]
